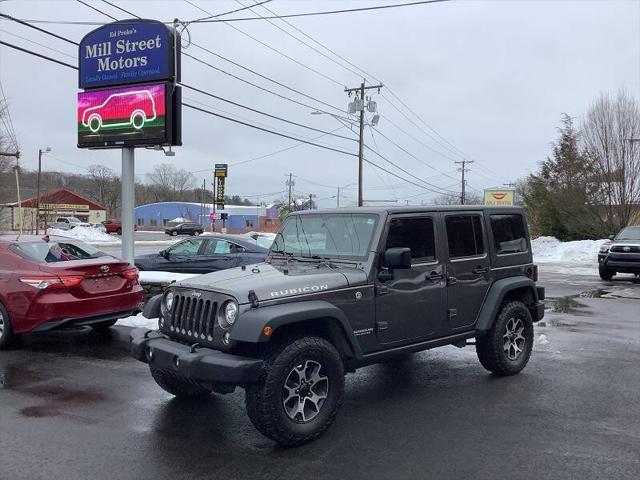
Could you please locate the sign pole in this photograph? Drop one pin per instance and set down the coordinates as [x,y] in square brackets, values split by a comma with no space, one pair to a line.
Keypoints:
[128,203]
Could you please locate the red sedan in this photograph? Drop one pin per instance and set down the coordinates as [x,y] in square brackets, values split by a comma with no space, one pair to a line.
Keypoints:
[52,282]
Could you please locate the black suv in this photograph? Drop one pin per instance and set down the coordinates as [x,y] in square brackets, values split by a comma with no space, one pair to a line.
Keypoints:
[342,289]
[621,254]
[184,229]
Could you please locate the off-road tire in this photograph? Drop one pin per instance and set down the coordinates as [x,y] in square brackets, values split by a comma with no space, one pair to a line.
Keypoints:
[7,331]
[605,273]
[264,400]
[490,347]
[104,326]
[177,386]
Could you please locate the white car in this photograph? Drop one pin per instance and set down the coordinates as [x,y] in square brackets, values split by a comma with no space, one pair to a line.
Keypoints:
[69,223]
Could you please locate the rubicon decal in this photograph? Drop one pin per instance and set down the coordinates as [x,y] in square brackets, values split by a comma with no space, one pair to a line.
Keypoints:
[299,290]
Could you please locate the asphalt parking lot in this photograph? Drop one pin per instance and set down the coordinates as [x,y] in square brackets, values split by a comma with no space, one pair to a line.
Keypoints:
[75,406]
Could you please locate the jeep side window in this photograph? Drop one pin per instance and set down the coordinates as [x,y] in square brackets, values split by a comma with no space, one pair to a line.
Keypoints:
[416,234]
[464,236]
[508,234]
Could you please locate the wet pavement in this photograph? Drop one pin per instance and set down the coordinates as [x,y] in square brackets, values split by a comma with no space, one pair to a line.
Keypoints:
[73,405]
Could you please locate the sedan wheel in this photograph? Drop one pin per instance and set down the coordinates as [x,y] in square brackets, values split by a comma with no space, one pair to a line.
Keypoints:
[6,332]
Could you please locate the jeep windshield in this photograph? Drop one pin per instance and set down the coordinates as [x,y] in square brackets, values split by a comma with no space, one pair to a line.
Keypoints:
[345,236]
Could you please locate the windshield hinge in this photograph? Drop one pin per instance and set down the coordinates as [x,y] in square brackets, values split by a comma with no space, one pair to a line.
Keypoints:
[253,299]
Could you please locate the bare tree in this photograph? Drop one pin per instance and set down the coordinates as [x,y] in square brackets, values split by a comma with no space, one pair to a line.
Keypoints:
[104,187]
[610,124]
[454,199]
[170,183]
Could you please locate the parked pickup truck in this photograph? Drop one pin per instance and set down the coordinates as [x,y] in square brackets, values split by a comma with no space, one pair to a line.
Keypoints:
[115,226]
[69,223]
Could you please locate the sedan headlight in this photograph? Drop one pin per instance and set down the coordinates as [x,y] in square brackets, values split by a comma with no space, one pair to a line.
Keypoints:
[168,301]
[228,315]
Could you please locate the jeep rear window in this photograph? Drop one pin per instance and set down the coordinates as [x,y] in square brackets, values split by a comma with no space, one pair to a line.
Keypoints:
[61,251]
[508,234]
[416,234]
[340,235]
[464,236]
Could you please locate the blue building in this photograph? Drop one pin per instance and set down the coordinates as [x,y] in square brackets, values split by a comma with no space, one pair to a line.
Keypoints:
[155,216]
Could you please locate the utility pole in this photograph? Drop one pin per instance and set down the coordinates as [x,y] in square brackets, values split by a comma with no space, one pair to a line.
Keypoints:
[359,105]
[338,199]
[463,169]
[40,152]
[311,195]
[290,183]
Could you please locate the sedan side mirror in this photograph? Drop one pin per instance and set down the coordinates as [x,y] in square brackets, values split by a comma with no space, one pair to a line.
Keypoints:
[611,237]
[164,253]
[397,258]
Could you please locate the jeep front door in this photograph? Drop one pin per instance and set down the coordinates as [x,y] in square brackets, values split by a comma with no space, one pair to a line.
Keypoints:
[467,268]
[411,306]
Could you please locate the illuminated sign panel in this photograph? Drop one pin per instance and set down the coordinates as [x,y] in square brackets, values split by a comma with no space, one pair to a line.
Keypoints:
[129,51]
[498,197]
[128,116]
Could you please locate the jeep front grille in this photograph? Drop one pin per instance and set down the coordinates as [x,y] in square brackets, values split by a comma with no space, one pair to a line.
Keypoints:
[193,317]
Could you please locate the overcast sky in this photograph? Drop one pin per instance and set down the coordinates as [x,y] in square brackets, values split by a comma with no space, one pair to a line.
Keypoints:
[492,78]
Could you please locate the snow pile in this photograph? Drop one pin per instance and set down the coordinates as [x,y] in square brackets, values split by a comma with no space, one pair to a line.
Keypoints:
[163,277]
[552,250]
[139,321]
[86,234]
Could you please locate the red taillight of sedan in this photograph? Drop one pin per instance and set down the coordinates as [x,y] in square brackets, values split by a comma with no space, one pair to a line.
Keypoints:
[130,273]
[46,281]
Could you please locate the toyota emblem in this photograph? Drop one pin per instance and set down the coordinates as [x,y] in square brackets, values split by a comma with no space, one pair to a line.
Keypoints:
[626,249]
[104,268]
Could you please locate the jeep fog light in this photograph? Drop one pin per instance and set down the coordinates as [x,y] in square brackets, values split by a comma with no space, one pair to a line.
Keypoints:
[226,338]
[229,315]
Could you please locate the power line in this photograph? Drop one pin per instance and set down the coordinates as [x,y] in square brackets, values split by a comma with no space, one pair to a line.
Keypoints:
[268,130]
[31,52]
[242,19]
[264,113]
[94,8]
[26,24]
[232,11]
[37,43]
[297,62]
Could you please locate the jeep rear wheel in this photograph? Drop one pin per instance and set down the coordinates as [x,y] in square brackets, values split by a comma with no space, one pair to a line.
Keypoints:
[301,392]
[505,349]
[178,386]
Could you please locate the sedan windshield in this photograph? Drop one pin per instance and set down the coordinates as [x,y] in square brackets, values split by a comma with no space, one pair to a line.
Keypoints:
[336,235]
[629,233]
[61,251]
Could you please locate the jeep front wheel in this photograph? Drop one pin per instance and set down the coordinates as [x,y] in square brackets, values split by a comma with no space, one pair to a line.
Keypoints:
[505,349]
[301,392]
[178,386]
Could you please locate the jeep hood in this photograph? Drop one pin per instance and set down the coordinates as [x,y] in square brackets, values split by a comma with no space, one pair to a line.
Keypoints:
[271,282]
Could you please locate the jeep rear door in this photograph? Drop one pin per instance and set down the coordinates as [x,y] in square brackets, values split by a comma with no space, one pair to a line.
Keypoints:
[468,269]
[412,305]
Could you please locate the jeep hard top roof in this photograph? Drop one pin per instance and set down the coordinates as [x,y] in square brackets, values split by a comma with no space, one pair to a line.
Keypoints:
[414,209]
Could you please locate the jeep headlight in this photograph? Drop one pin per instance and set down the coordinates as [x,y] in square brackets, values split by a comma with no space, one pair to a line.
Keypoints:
[168,301]
[228,315]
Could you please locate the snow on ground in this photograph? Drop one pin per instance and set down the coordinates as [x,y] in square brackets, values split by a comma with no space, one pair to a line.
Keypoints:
[139,321]
[552,250]
[86,234]
[163,277]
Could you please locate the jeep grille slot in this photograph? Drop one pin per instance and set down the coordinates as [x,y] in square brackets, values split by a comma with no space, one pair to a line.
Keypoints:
[193,317]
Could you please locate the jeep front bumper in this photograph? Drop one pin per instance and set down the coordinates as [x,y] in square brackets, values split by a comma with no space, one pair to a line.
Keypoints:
[200,364]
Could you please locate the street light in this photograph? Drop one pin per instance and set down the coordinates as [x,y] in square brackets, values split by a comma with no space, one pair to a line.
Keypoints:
[40,153]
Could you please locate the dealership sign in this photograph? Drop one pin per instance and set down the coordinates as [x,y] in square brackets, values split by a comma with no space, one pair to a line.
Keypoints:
[498,197]
[129,71]
[130,51]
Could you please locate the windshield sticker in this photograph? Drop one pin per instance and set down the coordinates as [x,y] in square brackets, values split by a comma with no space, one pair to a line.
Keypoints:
[294,291]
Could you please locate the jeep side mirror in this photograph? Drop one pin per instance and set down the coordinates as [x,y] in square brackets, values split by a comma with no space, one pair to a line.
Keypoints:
[611,237]
[397,258]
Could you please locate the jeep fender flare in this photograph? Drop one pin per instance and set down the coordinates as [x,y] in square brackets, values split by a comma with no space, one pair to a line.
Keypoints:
[250,325]
[152,307]
[496,295]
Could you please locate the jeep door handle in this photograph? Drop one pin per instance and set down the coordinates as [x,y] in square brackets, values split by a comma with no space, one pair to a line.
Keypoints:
[434,275]
[480,270]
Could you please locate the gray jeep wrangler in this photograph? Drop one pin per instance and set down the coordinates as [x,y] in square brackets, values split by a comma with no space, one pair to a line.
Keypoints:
[339,290]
